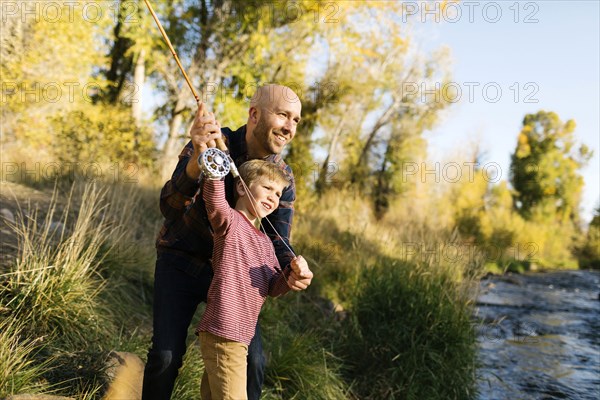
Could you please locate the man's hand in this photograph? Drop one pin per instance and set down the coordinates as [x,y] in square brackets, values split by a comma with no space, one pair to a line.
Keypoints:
[205,130]
[301,276]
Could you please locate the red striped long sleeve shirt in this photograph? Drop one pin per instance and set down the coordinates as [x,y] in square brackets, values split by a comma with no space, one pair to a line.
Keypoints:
[245,268]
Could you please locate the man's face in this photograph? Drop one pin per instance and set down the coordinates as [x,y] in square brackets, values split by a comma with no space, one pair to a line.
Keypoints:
[276,125]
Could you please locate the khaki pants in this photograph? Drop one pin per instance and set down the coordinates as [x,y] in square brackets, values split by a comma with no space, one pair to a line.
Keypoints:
[224,368]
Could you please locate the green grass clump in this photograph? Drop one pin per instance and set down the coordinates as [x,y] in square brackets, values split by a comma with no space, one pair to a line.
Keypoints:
[298,364]
[54,285]
[399,321]
[187,386]
[409,334]
[299,368]
[18,370]
[79,289]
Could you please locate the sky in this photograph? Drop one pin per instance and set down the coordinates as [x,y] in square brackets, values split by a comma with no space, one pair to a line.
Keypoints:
[529,56]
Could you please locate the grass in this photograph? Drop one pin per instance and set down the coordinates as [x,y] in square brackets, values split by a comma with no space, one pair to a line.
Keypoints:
[187,386]
[73,290]
[376,323]
[19,371]
[410,334]
[406,330]
[57,266]
[298,364]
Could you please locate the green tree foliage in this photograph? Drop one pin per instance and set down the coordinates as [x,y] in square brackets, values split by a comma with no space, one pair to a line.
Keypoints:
[103,133]
[589,252]
[500,226]
[545,168]
[375,109]
[132,41]
[46,69]
[484,214]
[468,199]
[228,48]
[50,68]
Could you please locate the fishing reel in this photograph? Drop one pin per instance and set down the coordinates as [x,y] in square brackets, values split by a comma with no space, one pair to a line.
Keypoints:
[216,164]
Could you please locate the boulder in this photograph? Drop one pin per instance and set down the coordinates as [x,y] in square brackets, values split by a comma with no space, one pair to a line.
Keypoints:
[126,371]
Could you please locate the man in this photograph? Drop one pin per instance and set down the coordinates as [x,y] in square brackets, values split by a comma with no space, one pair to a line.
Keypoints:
[184,245]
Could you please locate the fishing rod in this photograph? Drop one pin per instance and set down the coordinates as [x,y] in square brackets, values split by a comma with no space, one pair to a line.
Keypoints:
[217,161]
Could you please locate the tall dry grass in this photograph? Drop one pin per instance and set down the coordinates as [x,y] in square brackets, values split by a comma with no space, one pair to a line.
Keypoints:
[54,285]
[401,319]
[379,321]
[78,285]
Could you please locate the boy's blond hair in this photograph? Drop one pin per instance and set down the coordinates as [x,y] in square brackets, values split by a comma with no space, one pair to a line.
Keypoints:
[252,170]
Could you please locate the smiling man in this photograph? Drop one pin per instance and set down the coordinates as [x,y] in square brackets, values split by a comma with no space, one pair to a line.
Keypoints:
[184,246]
[273,118]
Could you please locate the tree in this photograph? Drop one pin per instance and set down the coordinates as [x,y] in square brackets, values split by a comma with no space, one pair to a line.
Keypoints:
[46,68]
[128,62]
[468,197]
[545,168]
[374,119]
[226,46]
[589,251]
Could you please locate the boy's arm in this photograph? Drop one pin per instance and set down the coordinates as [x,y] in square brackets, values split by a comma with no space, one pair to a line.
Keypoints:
[220,214]
[278,285]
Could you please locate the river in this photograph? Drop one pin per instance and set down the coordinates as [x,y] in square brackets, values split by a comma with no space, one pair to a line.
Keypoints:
[538,336]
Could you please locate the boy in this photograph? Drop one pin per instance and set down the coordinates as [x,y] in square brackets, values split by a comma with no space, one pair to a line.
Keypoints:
[246,270]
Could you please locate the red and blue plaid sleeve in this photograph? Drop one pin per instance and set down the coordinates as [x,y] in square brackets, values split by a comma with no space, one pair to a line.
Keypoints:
[179,191]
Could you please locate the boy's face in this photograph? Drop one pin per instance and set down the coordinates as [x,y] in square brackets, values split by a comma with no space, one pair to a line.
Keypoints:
[266,193]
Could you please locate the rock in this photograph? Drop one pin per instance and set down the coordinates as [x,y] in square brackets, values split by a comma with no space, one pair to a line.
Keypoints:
[37,397]
[126,371]
[7,215]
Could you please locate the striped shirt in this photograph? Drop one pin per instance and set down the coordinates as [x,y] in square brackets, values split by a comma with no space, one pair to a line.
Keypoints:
[186,232]
[245,269]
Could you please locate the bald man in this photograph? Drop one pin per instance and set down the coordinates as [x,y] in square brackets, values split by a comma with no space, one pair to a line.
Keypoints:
[184,246]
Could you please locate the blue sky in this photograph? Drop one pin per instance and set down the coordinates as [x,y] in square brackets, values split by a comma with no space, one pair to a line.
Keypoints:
[557,57]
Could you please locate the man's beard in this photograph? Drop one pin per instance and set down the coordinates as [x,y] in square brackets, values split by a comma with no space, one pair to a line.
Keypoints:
[261,133]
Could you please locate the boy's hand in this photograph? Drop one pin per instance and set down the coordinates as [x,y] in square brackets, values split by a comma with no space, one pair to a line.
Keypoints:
[301,276]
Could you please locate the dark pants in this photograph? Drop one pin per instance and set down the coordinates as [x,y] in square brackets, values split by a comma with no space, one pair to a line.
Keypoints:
[177,293]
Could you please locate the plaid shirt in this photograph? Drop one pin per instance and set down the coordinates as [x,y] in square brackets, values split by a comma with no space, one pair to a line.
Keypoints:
[186,232]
